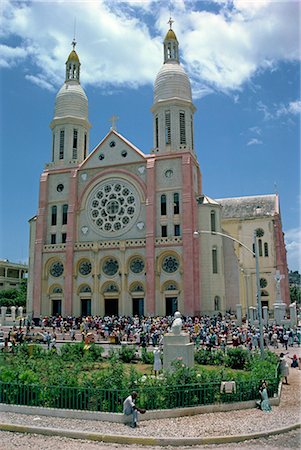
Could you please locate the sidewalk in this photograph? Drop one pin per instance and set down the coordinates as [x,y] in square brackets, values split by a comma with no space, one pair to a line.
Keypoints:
[204,428]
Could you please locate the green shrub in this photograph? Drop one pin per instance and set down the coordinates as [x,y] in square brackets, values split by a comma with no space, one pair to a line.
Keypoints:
[127,353]
[237,358]
[207,357]
[147,357]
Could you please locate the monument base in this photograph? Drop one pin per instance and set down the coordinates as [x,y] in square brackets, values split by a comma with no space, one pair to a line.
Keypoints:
[177,347]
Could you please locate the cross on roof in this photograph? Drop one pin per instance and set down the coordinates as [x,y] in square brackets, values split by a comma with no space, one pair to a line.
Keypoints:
[73,43]
[113,119]
[170,22]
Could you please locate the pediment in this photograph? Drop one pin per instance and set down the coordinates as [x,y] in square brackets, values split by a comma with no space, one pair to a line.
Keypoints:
[113,150]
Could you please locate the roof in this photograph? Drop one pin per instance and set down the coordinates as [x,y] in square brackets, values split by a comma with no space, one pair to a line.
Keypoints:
[73,56]
[170,35]
[249,207]
[205,200]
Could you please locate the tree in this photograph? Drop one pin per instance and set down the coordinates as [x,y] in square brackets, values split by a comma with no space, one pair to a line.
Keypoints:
[14,297]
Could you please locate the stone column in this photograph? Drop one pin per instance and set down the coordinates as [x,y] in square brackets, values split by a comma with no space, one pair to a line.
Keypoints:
[252,314]
[293,314]
[239,314]
[265,315]
[20,311]
[3,314]
[13,313]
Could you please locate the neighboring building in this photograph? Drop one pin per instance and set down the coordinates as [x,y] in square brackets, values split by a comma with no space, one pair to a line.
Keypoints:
[115,229]
[12,274]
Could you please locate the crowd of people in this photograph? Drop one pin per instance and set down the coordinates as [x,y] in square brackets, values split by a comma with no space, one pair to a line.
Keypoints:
[204,331]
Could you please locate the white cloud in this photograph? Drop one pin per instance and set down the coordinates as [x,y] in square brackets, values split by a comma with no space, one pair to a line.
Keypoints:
[293,247]
[255,130]
[221,51]
[254,141]
[10,56]
[39,81]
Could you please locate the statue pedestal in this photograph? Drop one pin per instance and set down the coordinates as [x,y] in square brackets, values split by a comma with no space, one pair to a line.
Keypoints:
[177,347]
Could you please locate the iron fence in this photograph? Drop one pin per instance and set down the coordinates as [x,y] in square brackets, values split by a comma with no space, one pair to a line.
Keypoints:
[111,400]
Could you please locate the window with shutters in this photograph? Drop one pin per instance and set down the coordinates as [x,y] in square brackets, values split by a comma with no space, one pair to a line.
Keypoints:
[75,138]
[167,127]
[182,128]
[62,144]
[157,132]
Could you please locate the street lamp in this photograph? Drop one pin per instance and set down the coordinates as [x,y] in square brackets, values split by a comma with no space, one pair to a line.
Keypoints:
[197,233]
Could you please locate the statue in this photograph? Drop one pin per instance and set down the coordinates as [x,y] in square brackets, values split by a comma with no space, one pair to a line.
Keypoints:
[176,326]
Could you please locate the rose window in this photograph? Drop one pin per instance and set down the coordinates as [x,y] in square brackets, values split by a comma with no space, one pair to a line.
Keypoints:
[85,268]
[110,267]
[170,264]
[137,265]
[56,269]
[113,206]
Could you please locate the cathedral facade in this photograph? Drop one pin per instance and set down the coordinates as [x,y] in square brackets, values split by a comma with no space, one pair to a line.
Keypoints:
[116,229]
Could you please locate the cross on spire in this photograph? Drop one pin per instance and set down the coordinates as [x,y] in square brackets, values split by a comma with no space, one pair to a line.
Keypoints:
[73,43]
[171,21]
[113,119]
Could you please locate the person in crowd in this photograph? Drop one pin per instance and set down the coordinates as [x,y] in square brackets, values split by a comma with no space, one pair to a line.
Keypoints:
[294,362]
[157,361]
[284,368]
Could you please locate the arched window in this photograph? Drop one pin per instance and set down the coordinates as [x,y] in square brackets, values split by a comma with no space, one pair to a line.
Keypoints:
[182,128]
[163,205]
[266,249]
[62,144]
[216,303]
[157,131]
[260,247]
[53,215]
[167,127]
[176,203]
[213,224]
[75,139]
[64,214]
[214,260]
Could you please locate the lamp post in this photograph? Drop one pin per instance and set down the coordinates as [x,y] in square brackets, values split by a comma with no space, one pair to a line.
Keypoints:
[197,233]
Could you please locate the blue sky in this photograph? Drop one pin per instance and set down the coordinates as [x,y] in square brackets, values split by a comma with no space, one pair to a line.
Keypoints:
[243,59]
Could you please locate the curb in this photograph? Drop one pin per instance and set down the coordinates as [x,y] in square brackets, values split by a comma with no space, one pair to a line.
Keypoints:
[144,440]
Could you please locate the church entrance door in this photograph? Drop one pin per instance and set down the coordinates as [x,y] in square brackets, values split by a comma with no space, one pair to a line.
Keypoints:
[171,304]
[56,307]
[85,307]
[111,306]
[138,306]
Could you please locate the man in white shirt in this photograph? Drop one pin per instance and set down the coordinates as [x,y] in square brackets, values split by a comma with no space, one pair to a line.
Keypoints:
[130,409]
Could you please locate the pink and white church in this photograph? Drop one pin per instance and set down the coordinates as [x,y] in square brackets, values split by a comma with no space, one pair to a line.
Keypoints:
[115,228]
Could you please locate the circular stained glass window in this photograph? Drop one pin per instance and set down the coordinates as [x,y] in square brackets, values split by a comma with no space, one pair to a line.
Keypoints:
[137,265]
[60,187]
[263,283]
[110,267]
[170,264]
[113,206]
[85,268]
[259,232]
[56,269]
[101,156]
[112,144]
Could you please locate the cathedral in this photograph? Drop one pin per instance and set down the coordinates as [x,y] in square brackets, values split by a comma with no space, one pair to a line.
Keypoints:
[120,232]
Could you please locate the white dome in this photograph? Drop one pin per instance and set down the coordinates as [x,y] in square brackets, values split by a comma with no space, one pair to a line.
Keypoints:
[172,82]
[71,100]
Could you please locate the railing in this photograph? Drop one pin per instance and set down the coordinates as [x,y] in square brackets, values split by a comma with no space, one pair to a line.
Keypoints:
[110,400]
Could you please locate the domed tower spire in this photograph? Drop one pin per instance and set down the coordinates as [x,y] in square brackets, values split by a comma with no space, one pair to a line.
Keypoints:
[70,125]
[171,45]
[172,108]
[72,64]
